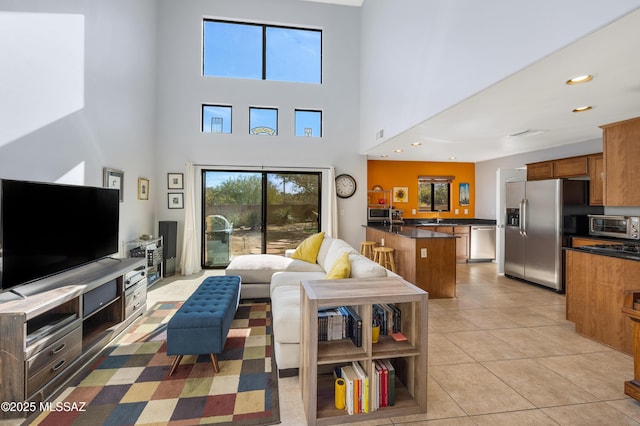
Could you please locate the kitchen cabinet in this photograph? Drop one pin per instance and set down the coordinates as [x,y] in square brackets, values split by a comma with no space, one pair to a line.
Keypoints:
[571,167]
[541,170]
[621,146]
[560,168]
[596,179]
[595,292]
[462,242]
[591,166]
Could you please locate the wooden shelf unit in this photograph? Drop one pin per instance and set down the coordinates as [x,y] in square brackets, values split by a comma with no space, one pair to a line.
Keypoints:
[64,322]
[409,357]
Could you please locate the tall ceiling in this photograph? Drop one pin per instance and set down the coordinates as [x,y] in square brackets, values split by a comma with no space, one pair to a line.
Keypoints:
[534,102]
[537,103]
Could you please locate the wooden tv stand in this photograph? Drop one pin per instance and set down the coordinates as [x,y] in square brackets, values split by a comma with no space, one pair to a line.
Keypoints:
[65,321]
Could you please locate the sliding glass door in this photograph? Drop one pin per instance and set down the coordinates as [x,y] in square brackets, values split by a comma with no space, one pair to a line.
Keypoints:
[247,212]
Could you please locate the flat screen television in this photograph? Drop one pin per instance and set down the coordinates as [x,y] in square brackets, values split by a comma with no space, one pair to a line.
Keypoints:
[49,228]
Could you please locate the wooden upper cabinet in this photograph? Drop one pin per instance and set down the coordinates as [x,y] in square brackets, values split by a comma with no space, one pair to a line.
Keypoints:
[562,168]
[596,177]
[571,167]
[542,170]
[621,146]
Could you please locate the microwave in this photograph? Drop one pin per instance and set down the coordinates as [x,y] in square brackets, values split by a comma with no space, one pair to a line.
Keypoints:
[380,214]
[614,226]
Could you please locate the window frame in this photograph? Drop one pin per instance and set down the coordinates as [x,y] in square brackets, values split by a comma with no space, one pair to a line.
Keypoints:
[433,181]
[230,107]
[264,27]
[295,122]
[251,128]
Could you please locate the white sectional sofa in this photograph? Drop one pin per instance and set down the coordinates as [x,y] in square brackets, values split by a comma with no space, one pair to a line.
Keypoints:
[280,278]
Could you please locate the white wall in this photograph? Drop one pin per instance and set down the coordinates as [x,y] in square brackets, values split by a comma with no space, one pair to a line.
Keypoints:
[422,57]
[77,94]
[182,91]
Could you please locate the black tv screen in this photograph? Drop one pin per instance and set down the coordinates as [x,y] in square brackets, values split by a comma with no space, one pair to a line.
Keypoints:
[49,228]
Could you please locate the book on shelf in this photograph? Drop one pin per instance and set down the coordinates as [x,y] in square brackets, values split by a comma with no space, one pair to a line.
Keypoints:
[349,376]
[363,387]
[383,391]
[388,317]
[364,394]
[340,323]
[391,382]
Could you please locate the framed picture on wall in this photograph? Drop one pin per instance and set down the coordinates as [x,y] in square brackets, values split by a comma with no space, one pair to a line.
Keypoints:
[114,179]
[400,194]
[175,180]
[176,200]
[465,195]
[143,189]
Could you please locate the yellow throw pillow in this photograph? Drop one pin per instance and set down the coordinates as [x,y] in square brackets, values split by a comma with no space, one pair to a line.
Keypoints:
[309,248]
[340,269]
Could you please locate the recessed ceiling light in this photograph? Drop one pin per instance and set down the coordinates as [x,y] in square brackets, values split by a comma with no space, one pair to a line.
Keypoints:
[397,150]
[582,109]
[452,158]
[579,79]
[416,144]
[384,156]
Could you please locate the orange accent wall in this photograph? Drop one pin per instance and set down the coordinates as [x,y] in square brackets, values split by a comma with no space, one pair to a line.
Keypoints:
[390,174]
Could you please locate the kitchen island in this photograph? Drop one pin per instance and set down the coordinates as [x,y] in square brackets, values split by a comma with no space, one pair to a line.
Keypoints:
[598,284]
[424,258]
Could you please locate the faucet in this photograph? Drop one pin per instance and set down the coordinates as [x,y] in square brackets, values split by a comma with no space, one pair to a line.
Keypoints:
[438,217]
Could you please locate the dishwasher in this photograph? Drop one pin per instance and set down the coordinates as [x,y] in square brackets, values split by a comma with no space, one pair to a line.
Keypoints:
[483,242]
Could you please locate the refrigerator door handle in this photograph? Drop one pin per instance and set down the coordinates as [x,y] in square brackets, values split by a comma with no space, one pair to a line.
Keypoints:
[523,219]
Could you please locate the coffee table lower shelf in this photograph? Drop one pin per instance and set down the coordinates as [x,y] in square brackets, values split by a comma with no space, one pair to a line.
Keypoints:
[328,414]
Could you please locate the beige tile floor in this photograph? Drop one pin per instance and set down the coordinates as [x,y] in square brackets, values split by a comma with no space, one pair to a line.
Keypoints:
[501,353]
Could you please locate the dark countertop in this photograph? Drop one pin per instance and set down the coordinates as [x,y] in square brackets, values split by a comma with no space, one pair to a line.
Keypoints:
[592,250]
[448,222]
[410,231]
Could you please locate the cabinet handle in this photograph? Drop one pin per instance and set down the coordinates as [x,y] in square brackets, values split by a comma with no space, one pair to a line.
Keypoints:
[58,365]
[136,294]
[136,306]
[55,351]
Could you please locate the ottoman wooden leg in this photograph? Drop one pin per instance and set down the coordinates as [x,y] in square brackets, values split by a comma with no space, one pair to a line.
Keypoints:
[214,361]
[175,363]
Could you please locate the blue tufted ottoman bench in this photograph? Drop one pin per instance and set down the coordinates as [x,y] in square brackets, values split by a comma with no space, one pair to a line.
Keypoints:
[201,324]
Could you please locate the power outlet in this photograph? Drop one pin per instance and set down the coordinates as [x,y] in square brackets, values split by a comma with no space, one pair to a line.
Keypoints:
[457,211]
[413,211]
[466,211]
[423,253]
[382,242]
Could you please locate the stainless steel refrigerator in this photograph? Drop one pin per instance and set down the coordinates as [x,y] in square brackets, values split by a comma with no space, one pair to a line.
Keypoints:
[540,216]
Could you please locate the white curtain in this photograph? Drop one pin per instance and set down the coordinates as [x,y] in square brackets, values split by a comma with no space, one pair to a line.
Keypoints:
[332,224]
[190,261]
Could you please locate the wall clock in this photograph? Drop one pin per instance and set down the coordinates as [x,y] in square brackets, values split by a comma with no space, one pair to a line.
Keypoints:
[345,186]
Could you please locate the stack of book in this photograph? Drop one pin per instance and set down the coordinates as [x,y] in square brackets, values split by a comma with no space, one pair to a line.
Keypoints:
[364,394]
[340,323]
[388,317]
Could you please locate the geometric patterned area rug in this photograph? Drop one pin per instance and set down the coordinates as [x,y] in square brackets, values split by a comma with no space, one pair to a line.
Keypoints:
[130,383]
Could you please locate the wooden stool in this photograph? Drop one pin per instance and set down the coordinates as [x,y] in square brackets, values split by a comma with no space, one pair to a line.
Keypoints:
[384,256]
[366,248]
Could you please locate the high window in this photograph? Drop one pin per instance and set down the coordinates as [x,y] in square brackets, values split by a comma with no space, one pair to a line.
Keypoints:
[434,193]
[257,51]
[216,119]
[308,123]
[263,121]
